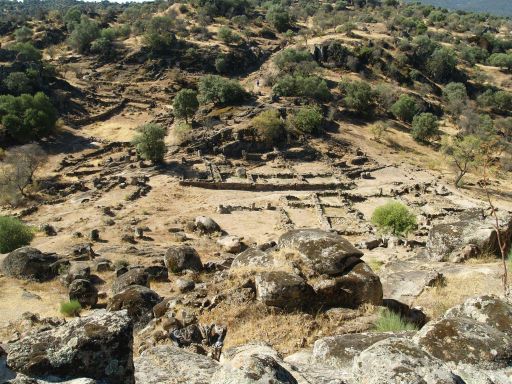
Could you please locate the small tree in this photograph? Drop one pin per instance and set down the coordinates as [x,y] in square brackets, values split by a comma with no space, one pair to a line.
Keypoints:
[226,35]
[358,96]
[442,65]
[394,218]
[185,104]
[220,91]
[424,127]
[150,142]
[405,108]
[501,60]
[464,152]
[279,18]
[456,97]
[23,34]
[306,120]
[269,126]
[18,83]
[13,234]
[19,167]
[84,34]
[159,36]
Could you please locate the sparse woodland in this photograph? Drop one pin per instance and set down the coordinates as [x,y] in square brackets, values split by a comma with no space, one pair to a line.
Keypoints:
[308,174]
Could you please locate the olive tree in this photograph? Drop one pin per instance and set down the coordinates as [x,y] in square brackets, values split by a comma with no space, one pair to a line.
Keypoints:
[150,142]
[185,104]
[425,126]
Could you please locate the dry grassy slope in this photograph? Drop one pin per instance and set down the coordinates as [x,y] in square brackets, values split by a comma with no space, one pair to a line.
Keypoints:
[168,205]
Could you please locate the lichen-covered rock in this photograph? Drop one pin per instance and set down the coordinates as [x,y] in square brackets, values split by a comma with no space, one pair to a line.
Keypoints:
[252,364]
[76,270]
[98,346]
[171,365]
[339,351]
[138,301]
[134,276]
[447,241]
[230,244]
[489,310]
[400,361]
[357,287]
[206,225]
[30,264]
[324,252]
[84,292]
[284,290]
[253,257]
[180,258]
[464,340]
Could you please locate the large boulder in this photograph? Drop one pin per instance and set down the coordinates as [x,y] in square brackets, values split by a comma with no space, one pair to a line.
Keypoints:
[76,270]
[252,364]
[466,235]
[98,346]
[134,276]
[206,224]
[84,292]
[360,285]
[31,264]
[398,360]
[172,365]
[180,258]
[253,257]
[464,340]
[324,252]
[138,301]
[489,310]
[339,351]
[283,289]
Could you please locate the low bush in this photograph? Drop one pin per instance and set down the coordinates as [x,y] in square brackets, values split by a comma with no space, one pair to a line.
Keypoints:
[424,127]
[150,142]
[306,120]
[405,108]
[312,87]
[389,321]
[70,308]
[13,234]
[394,218]
[269,126]
[220,91]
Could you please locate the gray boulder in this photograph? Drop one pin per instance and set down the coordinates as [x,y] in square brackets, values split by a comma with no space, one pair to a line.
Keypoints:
[172,365]
[451,240]
[463,340]
[284,290]
[206,225]
[134,276]
[30,264]
[98,346]
[360,285]
[84,292]
[180,258]
[489,310]
[400,361]
[138,301]
[252,364]
[339,351]
[324,252]
[77,270]
[253,257]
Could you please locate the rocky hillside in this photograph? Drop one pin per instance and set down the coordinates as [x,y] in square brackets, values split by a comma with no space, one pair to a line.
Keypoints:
[217,192]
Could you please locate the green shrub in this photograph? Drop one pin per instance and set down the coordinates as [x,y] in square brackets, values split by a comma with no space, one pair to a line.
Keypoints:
[358,96]
[293,60]
[220,91]
[502,60]
[70,308]
[150,142]
[389,321]
[27,52]
[185,104]
[394,218]
[26,118]
[269,126]
[13,234]
[181,132]
[279,17]
[226,35]
[84,34]
[160,36]
[23,34]
[424,127]
[312,87]
[405,108]
[306,120]
[442,65]
[456,96]
[18,83]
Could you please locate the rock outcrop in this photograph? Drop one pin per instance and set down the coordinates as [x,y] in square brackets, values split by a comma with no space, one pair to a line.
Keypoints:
[31,264]
[98,346]
[180,258]
[138,301]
